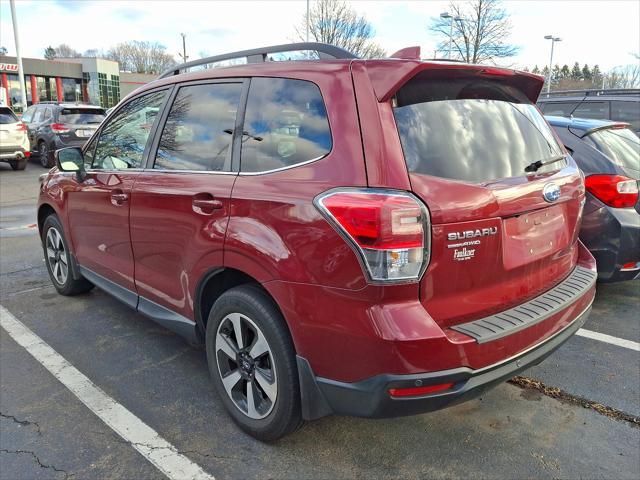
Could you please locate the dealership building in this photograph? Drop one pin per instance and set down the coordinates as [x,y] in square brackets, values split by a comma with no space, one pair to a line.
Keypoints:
[91,80]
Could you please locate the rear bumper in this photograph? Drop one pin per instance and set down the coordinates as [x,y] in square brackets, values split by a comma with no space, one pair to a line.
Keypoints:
[613,237]
[12,152]
[371,398]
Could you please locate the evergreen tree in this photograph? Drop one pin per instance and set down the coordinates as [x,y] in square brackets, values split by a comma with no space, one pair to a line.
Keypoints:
[586,73]
[49,53]
[536,70]
[576,72]
[565,72]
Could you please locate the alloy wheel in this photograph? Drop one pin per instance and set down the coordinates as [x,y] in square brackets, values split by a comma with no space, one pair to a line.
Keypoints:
[246,366]
[43,153]
[57,256]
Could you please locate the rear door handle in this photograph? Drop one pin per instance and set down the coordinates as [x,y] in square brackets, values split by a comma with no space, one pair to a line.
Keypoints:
[119,197]
[205,204]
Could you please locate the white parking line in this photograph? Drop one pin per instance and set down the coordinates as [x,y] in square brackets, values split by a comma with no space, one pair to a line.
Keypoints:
[133,430]
[602,337]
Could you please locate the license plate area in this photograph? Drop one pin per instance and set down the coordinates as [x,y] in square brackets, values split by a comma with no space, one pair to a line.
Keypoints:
[534,235]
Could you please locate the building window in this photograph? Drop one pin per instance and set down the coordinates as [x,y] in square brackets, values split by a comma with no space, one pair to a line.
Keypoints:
[71,90]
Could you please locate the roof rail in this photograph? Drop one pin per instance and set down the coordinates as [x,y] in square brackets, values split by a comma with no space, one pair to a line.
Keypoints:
[592,92]
[259,55]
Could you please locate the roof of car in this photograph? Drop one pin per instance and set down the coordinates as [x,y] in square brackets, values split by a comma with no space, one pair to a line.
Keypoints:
[598,98]
[68,105]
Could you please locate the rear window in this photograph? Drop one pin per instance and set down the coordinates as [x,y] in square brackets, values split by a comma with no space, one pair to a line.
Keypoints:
[621,145]
[82,116]
[471,130]
[626,112]
[7,116]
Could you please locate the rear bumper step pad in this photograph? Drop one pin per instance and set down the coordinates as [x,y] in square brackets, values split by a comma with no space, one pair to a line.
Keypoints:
[532,312]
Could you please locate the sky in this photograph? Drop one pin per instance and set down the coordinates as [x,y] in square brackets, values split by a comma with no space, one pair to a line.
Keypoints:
[603,32]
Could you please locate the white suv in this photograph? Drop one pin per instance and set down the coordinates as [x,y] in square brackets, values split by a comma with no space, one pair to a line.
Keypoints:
[14,141]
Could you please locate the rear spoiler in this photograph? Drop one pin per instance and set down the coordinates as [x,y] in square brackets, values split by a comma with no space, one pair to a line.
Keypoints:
[389,75]
[610,126]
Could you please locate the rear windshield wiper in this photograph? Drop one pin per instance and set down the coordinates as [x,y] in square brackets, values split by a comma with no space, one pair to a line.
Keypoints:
[535,166]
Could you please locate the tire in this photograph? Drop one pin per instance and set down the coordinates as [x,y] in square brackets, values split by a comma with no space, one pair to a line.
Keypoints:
[276,412]
[45,155]
[18,164]
[56,253]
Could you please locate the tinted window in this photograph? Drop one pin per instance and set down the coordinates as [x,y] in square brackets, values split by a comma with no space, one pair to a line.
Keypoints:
[82,116]
[592,110]
[626,112]
[89,153]
[7,116]
[285,124]
[28,114]
[199,128]
[471,130]
[621,145]
[47,114]
[558,109]
[124,138]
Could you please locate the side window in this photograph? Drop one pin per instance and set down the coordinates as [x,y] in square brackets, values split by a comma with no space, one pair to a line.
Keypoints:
[124,138]
[285,124]
[558,109]
[592,110]
[626,112]
[27,116]
[37,118]
[47,114]
[199,128]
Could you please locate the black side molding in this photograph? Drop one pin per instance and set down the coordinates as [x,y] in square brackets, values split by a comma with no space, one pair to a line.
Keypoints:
[159,314]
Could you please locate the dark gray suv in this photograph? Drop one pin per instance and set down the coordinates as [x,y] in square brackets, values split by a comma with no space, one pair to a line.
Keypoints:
[53,125]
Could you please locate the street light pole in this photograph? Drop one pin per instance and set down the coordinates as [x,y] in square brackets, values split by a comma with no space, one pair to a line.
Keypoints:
[184,48]
[553,41]
[447,15]
[307,21]
[23,90]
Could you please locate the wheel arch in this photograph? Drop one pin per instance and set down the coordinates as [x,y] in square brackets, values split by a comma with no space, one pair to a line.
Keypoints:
[216,282]
[44,211]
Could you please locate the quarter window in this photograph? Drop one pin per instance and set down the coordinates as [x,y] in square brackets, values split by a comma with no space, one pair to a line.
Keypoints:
[37,118]
[558,109]
[199,128]
[124,138]
[285,124]
[592,110]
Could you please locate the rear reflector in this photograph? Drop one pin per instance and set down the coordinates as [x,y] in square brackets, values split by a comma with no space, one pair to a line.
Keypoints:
[388,229]
[417,391]
[614,190]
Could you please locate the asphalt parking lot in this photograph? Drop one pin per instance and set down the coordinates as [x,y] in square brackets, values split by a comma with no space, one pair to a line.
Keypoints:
[511,432]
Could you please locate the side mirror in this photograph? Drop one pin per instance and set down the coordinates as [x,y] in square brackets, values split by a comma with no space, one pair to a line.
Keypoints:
[71,159]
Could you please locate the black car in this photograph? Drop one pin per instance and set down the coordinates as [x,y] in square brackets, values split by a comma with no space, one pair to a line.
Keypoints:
[609,155]
[53,125]
[621,105]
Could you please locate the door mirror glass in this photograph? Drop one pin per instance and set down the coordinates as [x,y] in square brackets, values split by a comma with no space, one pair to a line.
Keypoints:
[70,159]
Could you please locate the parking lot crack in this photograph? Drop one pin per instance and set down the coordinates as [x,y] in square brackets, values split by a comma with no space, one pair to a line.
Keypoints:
[38,461]
[22,422]
[527,383]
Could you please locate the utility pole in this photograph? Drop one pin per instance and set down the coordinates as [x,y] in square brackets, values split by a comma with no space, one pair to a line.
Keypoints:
[184,48]
[23,90]
[553,41]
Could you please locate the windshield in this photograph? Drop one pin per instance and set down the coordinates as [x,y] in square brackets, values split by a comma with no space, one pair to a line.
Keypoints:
[620,144]
[82,116]
[472,130]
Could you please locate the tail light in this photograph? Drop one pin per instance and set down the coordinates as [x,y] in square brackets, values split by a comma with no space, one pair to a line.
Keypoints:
[389,230]
[59,128]
[21,127]
[613,190]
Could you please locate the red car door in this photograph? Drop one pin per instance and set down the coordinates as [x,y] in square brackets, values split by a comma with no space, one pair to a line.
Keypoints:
[99,206]
[180,203]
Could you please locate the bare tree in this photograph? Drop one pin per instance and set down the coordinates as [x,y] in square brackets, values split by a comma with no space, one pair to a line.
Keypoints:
[141,57]
[334,22]
[65,51]
[480,29]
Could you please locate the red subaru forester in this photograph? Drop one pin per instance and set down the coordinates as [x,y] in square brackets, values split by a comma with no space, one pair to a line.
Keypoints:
[361,237]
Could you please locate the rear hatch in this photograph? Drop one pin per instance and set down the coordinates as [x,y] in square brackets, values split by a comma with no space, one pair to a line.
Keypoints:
[12,131]
[500,235]
[78,124]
